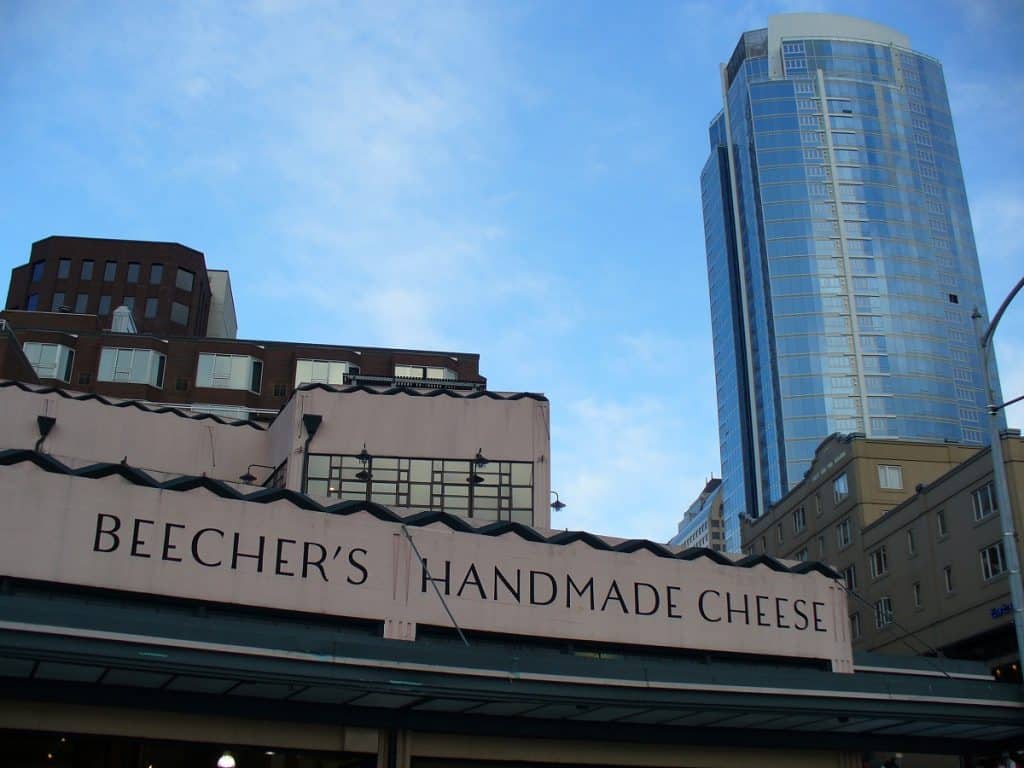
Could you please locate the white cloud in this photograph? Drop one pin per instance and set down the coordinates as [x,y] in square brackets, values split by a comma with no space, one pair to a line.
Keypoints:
[629,467]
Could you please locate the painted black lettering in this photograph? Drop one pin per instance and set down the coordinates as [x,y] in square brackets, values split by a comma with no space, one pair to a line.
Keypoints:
[280,561]
[762,614]
[780,617]
[168,547]
[447,576]
[819,622]
[236,553]
[137,540]
[652,591]
[307,561]
[614,593]
[358,566]
[195,546]
[472,578]
[571,587]
[700,604]
[515,591]
[799,612]
[670,601]
[745,610]
[552,587]
[111,533]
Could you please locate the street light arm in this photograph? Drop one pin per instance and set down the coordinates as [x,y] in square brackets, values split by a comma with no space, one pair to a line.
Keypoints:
[999,312]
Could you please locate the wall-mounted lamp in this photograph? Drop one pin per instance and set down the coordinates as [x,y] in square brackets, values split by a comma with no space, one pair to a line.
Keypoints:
[249,477]
[558,505]
[478,461]
[45,424]
[366,460]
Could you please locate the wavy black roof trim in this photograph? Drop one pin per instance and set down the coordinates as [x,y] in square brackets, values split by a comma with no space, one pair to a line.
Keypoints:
[86,396]
[635,545]
[47,463]
[693,553]
[416,392]
[751,560]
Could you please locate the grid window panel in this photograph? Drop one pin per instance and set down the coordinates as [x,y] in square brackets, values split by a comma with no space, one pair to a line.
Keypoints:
[499,490]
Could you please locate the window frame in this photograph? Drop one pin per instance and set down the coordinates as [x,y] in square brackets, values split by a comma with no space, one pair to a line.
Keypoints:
[799,519]
[988,572]
[844,525]
[884,612]
[979,496]
[840,488]
[888,474]
[878,561]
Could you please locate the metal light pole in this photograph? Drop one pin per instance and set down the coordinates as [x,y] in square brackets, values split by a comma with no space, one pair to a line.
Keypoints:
[999,470]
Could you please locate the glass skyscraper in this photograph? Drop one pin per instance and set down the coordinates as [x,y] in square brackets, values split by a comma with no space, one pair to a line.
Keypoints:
[841,261]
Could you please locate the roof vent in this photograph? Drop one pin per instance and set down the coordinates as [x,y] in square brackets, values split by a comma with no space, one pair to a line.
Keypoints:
[123,321]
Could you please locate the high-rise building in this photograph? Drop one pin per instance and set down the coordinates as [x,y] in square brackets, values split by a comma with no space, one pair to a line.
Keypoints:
[841,260]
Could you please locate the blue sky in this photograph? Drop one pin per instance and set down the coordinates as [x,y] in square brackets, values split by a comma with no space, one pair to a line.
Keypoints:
[514,179]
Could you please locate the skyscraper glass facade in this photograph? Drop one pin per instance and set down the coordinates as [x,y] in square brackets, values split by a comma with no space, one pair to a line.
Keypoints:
[841,259]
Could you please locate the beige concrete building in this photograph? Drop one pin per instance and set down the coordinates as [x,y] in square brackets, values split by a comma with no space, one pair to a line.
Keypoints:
[914,530]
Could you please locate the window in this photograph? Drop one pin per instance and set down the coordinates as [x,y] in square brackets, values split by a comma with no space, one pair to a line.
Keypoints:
[801,555]
[850,577]
[104,308]
[993,561]
[151,306]
[821,547]
[229,372]
[947,578]
[799,519]
[81,303]
[817,505]
[984,501]
[883,612]
[911,544]
[879,562]
[890,477]
[499,490]
[37,271]
[156,274]
[184,279]
[940,522]
[58,302]
[179,313]
[63,269]
[109,271]
[322,371]
[778,533]
[129,301]
[87,269]
[424,372]
[33,302]
[917,594]
[844,534]
[133,273]
[137,366]
[855,626]
[50,361]
[840,488]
